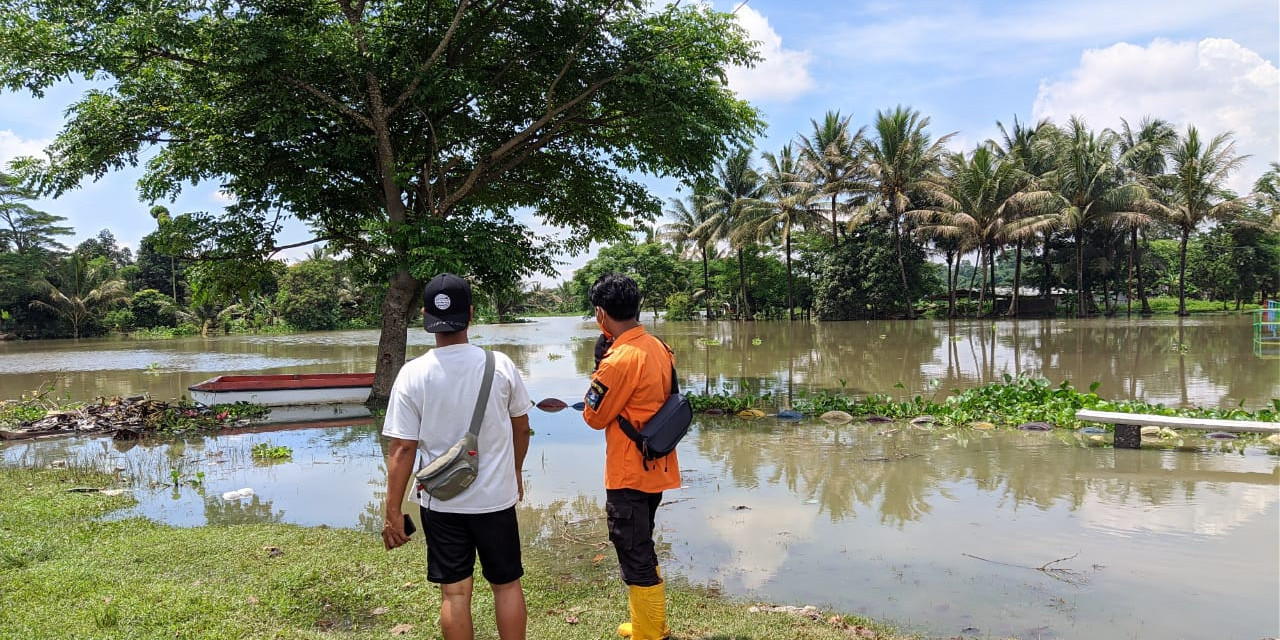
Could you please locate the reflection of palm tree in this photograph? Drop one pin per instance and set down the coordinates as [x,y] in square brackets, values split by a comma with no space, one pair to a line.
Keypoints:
[1195,191]
[732,204]
[785,208]
[899,159]
[83,288]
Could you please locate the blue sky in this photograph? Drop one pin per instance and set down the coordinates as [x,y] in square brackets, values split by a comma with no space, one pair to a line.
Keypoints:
[965,64]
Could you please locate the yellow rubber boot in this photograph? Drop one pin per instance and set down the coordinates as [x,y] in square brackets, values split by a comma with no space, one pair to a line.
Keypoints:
[625,629]
[648,613]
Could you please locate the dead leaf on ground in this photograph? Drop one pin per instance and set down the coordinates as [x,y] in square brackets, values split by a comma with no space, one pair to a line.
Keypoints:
[598,558]
[401,629]
[379,611]
[253,600]
[571,619]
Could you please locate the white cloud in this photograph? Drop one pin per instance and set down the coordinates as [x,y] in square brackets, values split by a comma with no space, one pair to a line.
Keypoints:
[782,75]
[222,197]
[1215,84]
[12,146]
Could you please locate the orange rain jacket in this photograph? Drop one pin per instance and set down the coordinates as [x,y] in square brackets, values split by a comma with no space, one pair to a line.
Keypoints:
[633,381]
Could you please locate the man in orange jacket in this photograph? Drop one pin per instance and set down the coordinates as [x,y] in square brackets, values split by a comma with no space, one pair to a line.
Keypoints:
[631,381]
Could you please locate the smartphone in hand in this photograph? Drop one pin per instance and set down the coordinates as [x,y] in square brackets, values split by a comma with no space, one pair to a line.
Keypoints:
[409,527]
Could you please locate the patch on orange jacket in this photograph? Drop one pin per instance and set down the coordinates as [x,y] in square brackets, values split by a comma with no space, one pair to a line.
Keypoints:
[595,394]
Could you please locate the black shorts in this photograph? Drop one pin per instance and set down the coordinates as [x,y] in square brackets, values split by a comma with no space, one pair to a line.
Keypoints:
[454,540]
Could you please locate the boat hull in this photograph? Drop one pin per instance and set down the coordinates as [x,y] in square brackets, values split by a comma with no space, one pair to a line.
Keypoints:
[286,390]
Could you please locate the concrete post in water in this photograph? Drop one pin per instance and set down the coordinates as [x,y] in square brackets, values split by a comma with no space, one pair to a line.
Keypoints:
[1128,436]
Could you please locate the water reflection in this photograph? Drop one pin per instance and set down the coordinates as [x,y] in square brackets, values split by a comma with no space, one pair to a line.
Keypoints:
[1203,361]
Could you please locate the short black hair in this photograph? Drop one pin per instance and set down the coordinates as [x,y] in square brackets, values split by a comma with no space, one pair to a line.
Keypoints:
[618,295]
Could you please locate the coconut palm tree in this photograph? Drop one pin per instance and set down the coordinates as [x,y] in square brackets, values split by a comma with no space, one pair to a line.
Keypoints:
[732,204]
[785,207]
[83,287]
[1031,149]
[1195,191]
[1266,193]
[830,158]
[899,160]
[1142,154]
[689,231]
[986,200]
[1091,188]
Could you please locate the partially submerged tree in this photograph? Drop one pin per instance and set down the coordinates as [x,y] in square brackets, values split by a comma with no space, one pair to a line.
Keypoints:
[404,132]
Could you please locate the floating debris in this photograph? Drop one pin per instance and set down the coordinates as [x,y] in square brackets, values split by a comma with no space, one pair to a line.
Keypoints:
[134,417]
[1274,438]
[551,405]
[1093,431]
[751,414]
[579,405]
[790,414]
[1221,435]
[836,417]
[1036,426]
[1159,432]
[919,420]
[238,494]
[713,411]
[879,419]
[982,426]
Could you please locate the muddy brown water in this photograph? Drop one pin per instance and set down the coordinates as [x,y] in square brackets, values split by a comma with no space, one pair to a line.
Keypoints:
[947,532]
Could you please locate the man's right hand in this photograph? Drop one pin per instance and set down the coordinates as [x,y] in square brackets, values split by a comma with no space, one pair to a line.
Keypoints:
[393,534]
[602,345]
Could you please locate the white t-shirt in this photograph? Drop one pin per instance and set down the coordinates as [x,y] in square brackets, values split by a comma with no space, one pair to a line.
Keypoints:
[432,401]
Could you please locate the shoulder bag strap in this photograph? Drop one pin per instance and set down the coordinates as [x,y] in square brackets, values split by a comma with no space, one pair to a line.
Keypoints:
[477,416]
[626,426]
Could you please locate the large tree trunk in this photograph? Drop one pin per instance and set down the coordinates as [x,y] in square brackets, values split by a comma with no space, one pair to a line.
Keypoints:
[1182,273]
[1017,281]
[951,283]
[1128,282]
[1046,285]
[742,287]
[791,306]
[396,306]
[902,271]
[835,236]
[1142,289]
[984,255]
[706,286]
[1080,308]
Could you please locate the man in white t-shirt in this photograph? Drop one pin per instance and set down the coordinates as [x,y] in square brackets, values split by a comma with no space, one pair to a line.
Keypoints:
[430,409]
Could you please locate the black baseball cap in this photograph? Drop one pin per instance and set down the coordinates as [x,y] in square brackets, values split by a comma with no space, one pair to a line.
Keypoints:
[446,304]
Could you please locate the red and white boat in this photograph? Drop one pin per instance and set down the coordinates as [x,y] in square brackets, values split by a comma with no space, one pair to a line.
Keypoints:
[285,390]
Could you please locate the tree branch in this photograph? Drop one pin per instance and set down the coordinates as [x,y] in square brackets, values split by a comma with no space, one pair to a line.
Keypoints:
[431,60]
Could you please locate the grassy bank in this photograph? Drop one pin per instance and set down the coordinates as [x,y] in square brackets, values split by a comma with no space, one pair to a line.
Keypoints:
[65,572]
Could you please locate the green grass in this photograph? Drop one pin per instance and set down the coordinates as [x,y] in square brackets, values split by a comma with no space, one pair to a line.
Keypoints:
[67,573]
[1168,305]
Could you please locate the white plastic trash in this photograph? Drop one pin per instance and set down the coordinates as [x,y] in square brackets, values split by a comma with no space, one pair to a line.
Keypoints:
[237,494]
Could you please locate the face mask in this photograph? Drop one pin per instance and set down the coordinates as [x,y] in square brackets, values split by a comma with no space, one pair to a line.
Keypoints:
[600,323]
